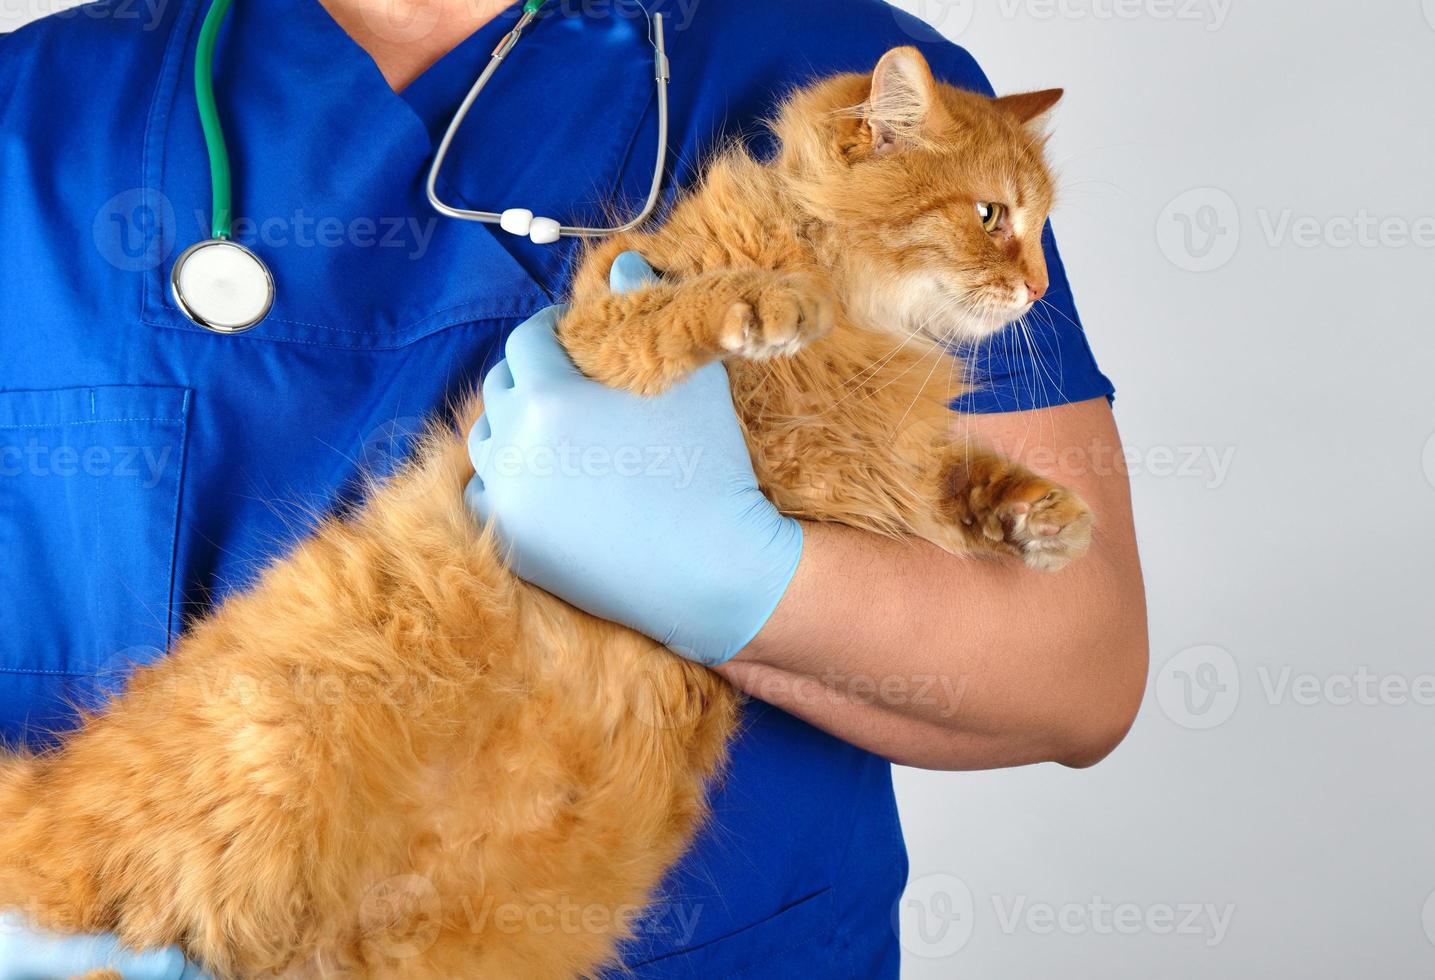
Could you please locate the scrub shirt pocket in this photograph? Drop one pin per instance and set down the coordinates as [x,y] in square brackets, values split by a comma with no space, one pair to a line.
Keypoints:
[797,941]
[89,497]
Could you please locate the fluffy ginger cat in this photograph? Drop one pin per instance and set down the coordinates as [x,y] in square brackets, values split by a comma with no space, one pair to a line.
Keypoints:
[390,730]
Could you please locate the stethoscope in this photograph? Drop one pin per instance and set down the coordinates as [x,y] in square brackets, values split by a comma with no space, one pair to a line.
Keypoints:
[223,286]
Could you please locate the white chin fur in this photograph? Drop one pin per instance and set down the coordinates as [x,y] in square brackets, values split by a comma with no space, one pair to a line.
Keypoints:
[924,307]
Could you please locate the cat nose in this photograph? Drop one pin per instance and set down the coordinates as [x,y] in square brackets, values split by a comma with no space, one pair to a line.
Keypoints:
[1035,291]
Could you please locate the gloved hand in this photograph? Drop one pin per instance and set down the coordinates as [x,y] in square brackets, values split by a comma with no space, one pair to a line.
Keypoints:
[641,510]
[28,953]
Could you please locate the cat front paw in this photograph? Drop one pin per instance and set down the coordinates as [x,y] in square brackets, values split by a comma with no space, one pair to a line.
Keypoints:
[778,318]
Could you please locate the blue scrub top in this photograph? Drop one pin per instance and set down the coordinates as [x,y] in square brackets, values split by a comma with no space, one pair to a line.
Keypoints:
[148,467]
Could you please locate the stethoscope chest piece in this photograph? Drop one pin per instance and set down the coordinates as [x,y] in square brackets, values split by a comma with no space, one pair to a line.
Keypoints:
[222,286]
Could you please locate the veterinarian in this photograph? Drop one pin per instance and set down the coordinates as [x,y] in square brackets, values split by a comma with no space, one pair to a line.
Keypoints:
[149,466]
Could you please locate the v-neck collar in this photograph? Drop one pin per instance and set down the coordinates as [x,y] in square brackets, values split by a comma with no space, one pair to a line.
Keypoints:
[436,92]
[316,135]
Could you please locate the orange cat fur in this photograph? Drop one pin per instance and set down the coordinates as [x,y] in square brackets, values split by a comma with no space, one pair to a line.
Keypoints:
[347,770]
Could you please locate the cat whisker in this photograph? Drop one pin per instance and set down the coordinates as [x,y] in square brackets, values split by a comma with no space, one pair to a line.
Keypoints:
[872,369]
[942,353]
[854,384]
[941,349]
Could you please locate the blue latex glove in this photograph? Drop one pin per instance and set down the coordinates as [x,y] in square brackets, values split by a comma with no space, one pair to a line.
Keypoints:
[27,953]
[641,510]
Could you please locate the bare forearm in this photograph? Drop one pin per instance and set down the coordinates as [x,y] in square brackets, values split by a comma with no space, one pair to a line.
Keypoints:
[859,712]
[961,663]
[945,662]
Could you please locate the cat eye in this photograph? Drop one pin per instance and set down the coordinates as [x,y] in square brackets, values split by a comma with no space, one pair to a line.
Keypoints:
[991,214]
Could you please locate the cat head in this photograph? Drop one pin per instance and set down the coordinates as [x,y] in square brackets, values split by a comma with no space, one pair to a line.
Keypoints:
[931,199]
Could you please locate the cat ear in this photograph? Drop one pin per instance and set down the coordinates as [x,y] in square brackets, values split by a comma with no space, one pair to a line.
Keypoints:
[903,96]
[1029,107]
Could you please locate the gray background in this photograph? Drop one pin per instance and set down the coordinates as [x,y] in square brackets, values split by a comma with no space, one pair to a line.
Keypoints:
[1309,365]
[1271,814]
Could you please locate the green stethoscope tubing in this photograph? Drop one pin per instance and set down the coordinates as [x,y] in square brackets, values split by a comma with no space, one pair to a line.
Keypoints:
[218,283]
[219,178]
[223,286]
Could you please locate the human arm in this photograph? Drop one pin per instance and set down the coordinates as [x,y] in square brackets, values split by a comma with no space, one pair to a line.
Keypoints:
[947,662]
